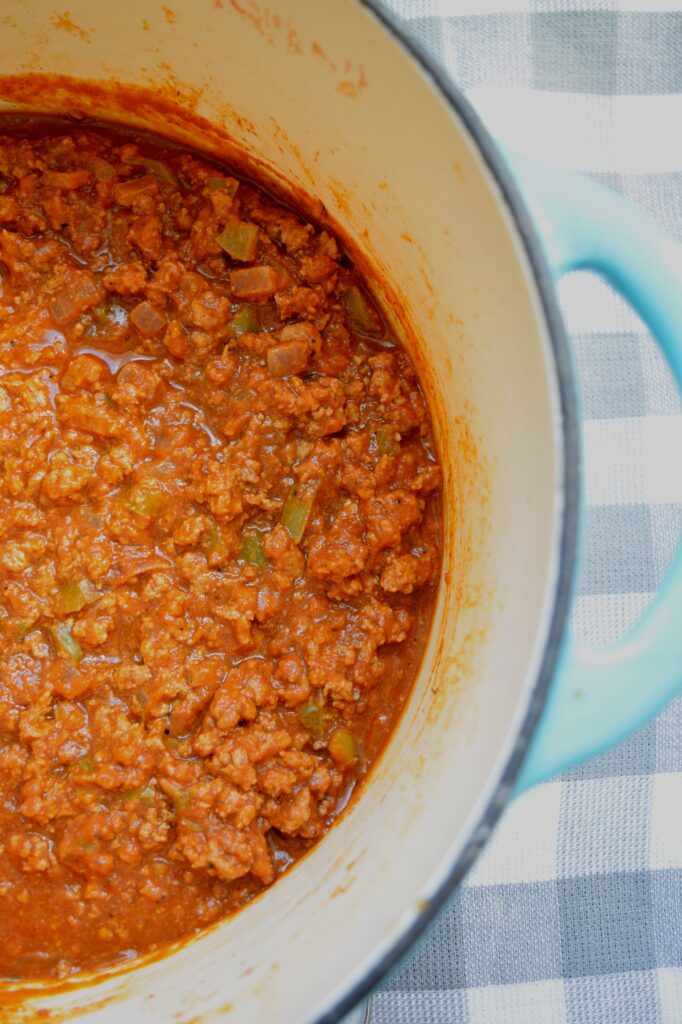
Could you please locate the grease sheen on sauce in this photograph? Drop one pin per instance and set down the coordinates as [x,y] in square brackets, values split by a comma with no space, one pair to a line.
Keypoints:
[219,541]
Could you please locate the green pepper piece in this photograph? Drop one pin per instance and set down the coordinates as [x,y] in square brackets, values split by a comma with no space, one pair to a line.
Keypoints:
[145,500]
[163,174]
[342,747]
[214,543]
[21,629]
[180,797]
[102,169]
[387,441]
[230,185]
[75,595]
[180,800]
[244,321]
[252,549]
[64,642]
[102,311]
[361,316]
[143,793]
[86,765]
[313,717]
[297,509]
[240,241]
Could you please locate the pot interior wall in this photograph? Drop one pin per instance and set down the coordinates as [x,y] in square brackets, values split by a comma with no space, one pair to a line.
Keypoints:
[323,94]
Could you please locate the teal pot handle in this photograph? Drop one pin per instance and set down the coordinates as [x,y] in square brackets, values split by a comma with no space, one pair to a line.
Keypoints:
[601,694]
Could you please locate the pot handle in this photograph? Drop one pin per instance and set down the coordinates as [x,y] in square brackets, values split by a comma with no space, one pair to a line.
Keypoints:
[601,694]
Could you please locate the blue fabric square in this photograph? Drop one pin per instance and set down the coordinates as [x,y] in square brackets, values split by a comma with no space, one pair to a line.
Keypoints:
[511,933]
[666,905]
[618,553]
[437,961]
[557,40]
[610,368]
[607,923]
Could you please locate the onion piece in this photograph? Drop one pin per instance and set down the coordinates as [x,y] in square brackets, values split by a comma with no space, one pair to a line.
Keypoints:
[254,282]
[146,319]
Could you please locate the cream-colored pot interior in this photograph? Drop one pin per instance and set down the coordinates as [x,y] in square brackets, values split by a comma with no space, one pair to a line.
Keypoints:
[324,93]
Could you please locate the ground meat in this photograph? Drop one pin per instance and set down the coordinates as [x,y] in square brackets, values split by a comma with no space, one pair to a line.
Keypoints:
[219,542]
[128,279]
[33,853]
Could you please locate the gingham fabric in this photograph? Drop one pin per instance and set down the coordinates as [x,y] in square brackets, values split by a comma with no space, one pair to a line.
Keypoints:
[574,913]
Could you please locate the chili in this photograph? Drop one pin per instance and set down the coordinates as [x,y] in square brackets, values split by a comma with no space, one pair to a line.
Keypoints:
[219,541]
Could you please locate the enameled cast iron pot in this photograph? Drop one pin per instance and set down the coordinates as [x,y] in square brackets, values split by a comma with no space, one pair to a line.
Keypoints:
[328,96]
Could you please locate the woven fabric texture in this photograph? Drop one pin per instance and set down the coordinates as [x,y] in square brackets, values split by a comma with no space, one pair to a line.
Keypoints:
[573,915]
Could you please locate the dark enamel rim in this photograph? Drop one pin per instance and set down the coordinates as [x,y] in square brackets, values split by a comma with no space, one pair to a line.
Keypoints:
[570,482]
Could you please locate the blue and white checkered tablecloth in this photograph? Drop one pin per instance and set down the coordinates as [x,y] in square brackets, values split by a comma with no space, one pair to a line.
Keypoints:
[574,913]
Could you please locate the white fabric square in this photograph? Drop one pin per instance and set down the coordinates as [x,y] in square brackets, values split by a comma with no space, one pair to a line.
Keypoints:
[666,825]
[584,131]
[602,618]
[589,305]
[670,994]
[649,6]
[613,461]
[601,826]
[509,856]
[661,471]
[518,1004]
[632,460]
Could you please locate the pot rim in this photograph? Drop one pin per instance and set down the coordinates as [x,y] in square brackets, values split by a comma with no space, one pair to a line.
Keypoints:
[568,427]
